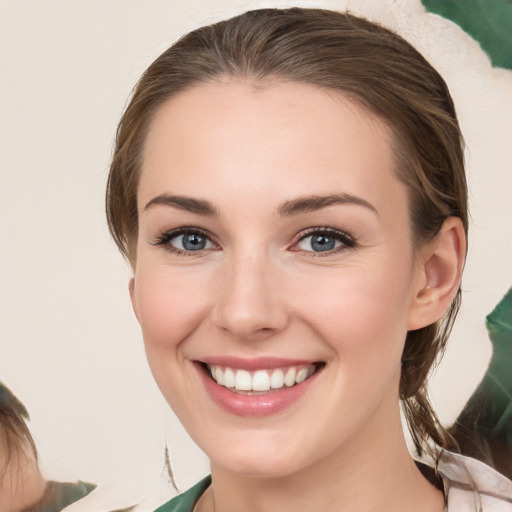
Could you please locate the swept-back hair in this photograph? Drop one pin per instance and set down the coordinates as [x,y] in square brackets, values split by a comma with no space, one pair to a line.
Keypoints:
[365,62]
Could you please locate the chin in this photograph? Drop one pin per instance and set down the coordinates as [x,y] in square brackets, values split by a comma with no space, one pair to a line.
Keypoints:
[258,458]
[257,469]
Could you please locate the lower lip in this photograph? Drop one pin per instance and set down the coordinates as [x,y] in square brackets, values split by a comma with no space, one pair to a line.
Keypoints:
[254,405]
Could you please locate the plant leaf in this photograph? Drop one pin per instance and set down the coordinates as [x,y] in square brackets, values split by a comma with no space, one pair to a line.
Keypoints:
[487,21]
[484,427]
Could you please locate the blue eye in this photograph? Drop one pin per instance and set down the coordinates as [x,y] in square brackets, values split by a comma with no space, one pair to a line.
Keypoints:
[185,241]
[319,243]
[190,242]
[325,240]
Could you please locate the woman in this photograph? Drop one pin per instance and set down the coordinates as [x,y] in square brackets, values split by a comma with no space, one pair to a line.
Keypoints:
[22,486]
[289,188]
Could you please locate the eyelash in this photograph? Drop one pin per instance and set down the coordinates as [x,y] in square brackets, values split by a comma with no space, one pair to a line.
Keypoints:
[347,240]
[164,239]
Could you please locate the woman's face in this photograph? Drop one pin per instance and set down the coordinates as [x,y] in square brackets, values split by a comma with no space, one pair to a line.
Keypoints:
[274,245]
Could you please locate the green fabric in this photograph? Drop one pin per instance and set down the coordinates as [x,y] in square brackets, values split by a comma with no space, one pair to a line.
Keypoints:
[59,495]
[185,502]
[487,21]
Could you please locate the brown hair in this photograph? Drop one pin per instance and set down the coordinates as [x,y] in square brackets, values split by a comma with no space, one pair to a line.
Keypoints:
[14,433]
[365,62]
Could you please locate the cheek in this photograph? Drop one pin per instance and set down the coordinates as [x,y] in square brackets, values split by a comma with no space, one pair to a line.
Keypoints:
[361,313]
[167,308]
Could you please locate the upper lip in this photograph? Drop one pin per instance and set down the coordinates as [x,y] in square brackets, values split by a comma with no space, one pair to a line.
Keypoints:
[252,364]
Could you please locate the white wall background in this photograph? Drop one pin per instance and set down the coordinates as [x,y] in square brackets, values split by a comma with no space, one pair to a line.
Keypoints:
[69,345]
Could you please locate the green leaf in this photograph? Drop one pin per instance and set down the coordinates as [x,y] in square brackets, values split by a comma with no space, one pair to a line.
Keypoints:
[487,21]
[484,427]
[499,373]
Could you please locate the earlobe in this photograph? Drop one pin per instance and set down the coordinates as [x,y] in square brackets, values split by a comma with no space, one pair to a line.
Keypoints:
[131,288]
[442,261]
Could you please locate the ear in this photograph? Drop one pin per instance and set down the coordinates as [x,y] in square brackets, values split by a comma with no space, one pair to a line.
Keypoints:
[440,265]
[131,288]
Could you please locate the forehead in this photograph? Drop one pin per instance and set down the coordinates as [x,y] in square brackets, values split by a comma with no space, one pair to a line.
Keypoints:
[280,139]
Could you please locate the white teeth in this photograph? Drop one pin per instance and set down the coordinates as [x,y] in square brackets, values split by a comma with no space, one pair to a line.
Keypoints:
[243,381]
[218,375]
[229,378]
[289,379]
[302,375]
[276,379]
[260,380]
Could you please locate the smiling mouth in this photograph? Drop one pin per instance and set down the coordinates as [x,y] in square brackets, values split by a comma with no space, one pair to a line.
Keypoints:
[263,381]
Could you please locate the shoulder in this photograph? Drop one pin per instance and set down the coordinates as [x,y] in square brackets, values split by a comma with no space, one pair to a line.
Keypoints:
[185,502]
[471,485]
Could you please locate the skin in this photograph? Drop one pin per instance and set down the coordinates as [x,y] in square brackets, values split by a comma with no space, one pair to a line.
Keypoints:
[21,483]
[258,289]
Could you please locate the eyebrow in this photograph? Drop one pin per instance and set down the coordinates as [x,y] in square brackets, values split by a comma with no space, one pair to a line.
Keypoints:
[292,207]
[312,203]
[199,206]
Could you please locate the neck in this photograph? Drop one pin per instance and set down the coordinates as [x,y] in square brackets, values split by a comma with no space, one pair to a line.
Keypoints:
[363,475]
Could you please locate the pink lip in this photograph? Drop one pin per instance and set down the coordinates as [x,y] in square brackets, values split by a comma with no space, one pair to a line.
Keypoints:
[254,405]
[253,364]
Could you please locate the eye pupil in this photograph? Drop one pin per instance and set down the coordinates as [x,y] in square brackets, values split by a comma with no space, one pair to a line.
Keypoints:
[322,243]
[194,242]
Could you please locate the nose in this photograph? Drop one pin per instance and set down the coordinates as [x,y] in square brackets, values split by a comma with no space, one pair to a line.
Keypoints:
[250,303]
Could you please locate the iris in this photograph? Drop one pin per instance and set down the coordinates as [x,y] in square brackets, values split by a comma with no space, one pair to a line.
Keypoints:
[322,243]
[193,242]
